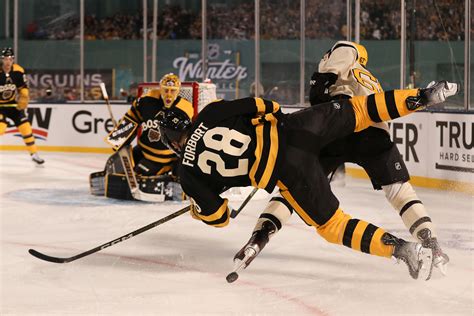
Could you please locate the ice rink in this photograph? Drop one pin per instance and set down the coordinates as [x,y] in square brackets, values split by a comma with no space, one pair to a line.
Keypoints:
[179,268]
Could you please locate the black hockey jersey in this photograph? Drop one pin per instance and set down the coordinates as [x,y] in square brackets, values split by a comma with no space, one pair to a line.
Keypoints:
[10,84]
[231,144]
[146,111]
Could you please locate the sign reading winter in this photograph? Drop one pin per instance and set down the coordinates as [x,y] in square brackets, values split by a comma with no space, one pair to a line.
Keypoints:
[223,69]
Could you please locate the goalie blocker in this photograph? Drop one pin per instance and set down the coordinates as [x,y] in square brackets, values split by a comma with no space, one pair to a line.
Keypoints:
[112,183]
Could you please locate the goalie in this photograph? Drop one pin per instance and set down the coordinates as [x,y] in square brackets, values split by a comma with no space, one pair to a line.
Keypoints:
[153,163]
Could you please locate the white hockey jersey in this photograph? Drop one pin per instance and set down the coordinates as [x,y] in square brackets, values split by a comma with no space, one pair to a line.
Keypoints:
[343,60]
[346,60]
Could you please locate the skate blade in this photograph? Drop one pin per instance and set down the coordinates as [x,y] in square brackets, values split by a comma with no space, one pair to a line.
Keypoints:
[425,257]
[442,267]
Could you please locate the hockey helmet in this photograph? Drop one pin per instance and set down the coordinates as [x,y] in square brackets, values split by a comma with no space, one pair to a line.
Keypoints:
[363,57]
[169,88]
[7,52]
[174,126]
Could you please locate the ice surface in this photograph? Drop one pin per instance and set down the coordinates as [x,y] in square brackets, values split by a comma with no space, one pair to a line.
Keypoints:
[180,267]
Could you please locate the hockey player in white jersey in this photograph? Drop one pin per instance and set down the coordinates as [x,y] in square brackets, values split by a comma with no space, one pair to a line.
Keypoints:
[342,74]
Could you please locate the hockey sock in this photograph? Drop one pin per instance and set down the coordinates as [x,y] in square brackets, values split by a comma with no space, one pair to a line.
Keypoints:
[356,234]
[403,198]
[278,211]
[381,107]
[28,138]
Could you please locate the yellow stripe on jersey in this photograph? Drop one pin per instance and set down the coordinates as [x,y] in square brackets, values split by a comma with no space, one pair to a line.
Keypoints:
[260,105]
[272,155]
[287,195]
[186,107]
[379,107]
[222,211]
[265,106]
[258,154]
[162,152]
[157,159]
[266,154]
[154,93]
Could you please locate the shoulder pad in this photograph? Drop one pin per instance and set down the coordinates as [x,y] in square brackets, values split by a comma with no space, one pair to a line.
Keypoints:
[18,68]
[186,106]
[154,93]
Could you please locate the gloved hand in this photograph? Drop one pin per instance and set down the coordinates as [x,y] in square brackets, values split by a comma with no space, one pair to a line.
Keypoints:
[434,93]
[437,92]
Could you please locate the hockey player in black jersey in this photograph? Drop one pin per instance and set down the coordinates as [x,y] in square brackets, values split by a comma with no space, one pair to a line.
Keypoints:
[342,74]
[250,142]
[152,159]
[14,98]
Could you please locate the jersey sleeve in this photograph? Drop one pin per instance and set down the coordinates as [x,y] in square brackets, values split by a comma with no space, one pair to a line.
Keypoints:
[133,112]
[186,107]
[21,81]
[211,208]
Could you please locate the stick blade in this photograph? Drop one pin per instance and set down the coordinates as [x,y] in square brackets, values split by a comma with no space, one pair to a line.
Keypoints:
[44,257]
[104,91]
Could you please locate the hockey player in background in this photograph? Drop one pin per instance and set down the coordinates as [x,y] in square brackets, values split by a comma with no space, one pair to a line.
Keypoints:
[14,98]
[250,142]
[342,74]
[150,156]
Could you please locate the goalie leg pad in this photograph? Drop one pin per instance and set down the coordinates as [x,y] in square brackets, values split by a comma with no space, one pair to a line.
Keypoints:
[97,183]
[116,186]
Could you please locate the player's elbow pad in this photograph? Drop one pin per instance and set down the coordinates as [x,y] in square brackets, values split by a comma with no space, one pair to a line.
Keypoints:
[23,99]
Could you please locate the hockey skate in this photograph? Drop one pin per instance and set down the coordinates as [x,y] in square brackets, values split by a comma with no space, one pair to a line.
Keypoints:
[440,259]
[251,249]
[36,158]
[418,258]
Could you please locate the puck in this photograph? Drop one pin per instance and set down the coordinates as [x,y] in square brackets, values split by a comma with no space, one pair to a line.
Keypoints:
[231,277]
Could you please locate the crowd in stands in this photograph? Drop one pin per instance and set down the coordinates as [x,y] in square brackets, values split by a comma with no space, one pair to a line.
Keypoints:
[380,20]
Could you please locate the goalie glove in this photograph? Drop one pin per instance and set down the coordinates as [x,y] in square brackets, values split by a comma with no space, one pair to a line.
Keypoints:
[434,93]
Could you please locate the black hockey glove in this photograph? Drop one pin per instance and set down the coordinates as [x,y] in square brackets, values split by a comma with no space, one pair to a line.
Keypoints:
[320,83]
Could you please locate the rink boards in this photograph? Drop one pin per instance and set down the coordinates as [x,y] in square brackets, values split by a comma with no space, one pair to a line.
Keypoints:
[437,147]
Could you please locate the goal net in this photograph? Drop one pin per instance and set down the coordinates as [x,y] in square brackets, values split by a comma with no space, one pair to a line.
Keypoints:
[199,94]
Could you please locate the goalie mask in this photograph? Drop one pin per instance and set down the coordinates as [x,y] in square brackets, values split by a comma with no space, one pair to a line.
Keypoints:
[174,127]
[169,88]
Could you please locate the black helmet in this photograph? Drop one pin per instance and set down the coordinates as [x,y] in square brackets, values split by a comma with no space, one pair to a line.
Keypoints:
[7,52]
[173,124]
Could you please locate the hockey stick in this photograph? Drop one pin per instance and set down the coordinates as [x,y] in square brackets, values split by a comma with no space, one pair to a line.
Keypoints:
[163,220]
[234,213]
[106,98]
[126,161]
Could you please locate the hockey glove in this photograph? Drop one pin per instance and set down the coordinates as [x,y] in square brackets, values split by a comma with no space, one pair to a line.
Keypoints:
[320,83]
[434,93]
